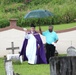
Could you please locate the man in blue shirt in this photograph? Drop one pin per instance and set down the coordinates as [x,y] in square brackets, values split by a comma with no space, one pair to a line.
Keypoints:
[51,39]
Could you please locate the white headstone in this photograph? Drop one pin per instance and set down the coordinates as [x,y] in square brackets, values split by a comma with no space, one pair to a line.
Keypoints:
[71,51]
[14,58]
[9,67]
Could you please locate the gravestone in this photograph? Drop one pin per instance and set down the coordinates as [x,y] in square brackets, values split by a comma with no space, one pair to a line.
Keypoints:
[9,67]
[65,65]
[14,57]
[12,48]
[71,51]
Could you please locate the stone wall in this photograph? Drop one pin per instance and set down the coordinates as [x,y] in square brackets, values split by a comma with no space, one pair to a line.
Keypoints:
[12,35]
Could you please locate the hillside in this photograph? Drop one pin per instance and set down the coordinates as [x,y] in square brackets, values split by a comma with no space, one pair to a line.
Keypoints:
[64,10]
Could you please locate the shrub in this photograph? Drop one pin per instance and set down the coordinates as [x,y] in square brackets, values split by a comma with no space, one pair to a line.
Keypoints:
[4,23]
[36,21]
[64,11]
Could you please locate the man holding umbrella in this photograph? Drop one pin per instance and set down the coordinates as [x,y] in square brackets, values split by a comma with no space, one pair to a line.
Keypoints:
[51,39]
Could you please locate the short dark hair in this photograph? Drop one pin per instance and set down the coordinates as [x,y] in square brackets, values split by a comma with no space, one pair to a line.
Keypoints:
[51,26]
[32,25]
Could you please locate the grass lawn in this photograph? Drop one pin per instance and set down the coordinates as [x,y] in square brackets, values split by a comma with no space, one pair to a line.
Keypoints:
[26,69]
[58,27]
[2,70]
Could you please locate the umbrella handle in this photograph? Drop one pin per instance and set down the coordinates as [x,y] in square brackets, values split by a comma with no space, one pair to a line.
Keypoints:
[40,30]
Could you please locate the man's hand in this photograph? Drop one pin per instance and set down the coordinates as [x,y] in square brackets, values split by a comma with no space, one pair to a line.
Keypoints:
[26,30]
[53,43]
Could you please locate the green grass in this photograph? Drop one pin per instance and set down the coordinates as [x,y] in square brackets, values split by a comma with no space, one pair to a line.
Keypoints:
[57,27]
[64,26]
[26,69]
[32,69]
[2,69]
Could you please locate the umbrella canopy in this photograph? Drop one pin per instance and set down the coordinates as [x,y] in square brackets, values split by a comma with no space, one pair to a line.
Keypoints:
[38,14]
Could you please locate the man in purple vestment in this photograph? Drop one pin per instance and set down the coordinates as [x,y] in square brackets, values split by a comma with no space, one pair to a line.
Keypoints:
[33,49]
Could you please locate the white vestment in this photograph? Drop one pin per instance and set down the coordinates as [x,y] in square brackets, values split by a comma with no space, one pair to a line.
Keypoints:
[31,49]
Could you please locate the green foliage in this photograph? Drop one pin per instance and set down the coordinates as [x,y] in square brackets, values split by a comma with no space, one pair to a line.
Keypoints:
[37,2]
[64,11]
[4,23]
[14,8]
[2,2]
[36,21]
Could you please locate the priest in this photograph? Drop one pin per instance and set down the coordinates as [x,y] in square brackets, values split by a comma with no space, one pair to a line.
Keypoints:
[33,49]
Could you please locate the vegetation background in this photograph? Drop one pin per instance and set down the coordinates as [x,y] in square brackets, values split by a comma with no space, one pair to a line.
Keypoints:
[64,11]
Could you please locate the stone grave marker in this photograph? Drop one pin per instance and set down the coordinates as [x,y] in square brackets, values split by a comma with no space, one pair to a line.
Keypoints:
[14,57]
[71,51]
[12,48]
[9,67]
[65,65]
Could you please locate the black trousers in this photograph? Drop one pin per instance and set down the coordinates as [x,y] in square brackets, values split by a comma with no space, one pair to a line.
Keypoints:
[50,51]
